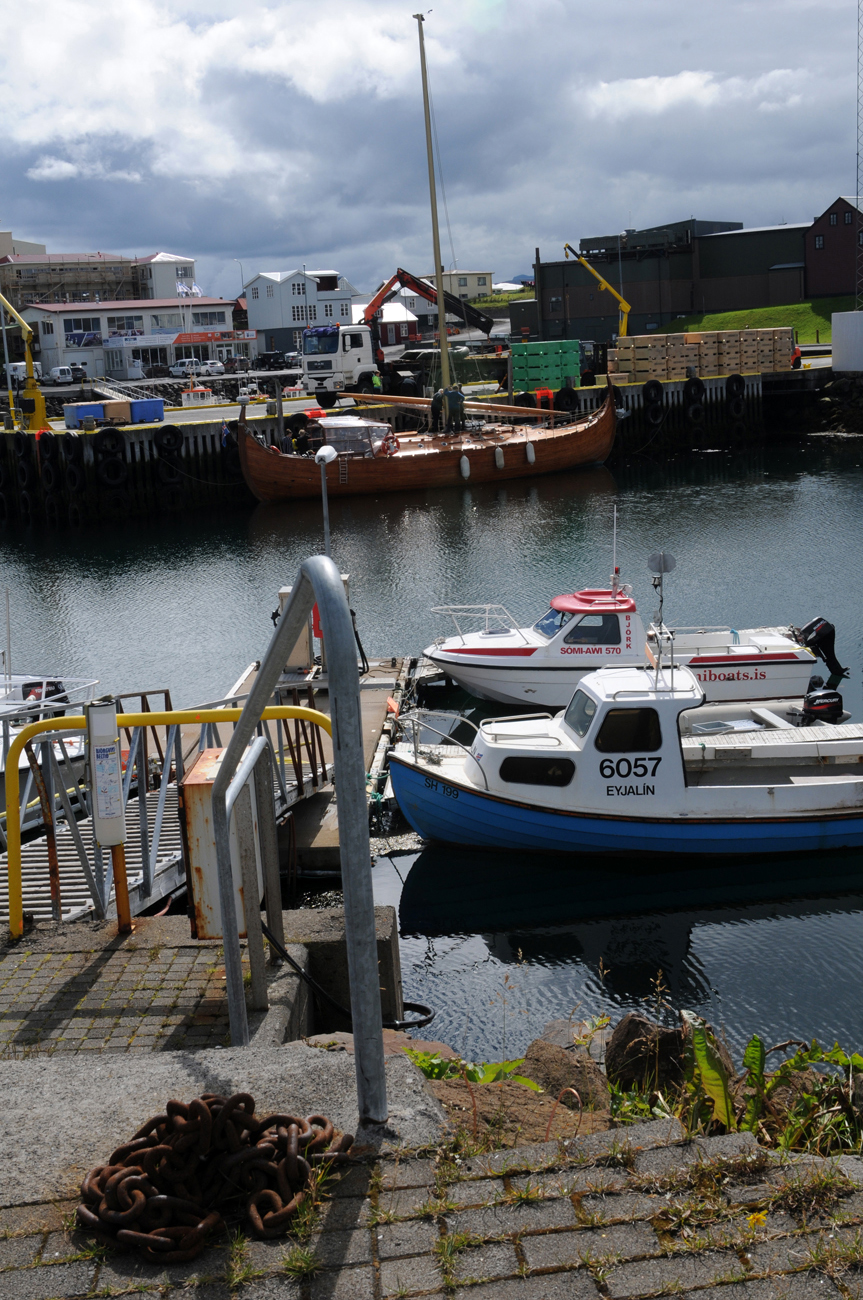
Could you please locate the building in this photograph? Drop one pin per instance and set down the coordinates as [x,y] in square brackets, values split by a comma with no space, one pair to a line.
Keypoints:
[282,303]
[38,277]
[682,269]
[117,339]
[831,249]
[465,284]
[424,311]
[396,321]
[9,245]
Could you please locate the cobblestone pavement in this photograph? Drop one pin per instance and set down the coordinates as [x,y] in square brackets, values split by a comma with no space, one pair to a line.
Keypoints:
[122,997]
[611,1215]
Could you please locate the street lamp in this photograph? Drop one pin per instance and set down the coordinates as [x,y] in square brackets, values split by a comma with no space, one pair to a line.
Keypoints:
[323,458]
[242,276]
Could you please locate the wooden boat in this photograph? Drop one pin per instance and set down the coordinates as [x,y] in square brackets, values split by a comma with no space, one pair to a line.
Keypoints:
[497,452]
[638,765]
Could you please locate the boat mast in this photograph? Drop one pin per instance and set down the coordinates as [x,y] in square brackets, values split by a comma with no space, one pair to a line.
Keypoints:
[614,572]
[438,266]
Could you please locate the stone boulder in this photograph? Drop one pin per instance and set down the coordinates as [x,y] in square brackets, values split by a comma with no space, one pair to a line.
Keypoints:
[555,1068]
[642,1054]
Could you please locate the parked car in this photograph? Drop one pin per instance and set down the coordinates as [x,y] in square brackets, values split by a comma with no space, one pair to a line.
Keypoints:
[61,375]
[186,368]
[237,365]
[79,371]
[212,368]
[18,370]
[269,361]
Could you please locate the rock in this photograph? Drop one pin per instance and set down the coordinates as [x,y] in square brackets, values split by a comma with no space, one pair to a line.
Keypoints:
[642,1054]
[555,1068]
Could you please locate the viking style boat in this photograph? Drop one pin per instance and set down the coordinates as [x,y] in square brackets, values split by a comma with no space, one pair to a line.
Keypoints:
[372,459]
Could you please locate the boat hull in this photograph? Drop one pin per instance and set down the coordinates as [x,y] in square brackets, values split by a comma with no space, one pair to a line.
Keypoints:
[274,476]
[455,813]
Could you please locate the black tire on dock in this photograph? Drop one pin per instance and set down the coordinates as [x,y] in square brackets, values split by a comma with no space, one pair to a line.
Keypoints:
[112,471]
[48,445]
[50,476]
[21,445]
[736,408]
[73,447]
[566,399]
[74,476]
[524,399]
[652,393]
[116,504]
[25,473]
[53,509]
[588,379]
[75,516]
[654,415]
[108,442]
[168,438]
[25,505]
[167,472]
[6,476]
[693,392]
[695,413]
[735,386]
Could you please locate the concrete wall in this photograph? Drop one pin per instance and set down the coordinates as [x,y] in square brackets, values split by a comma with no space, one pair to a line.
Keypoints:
[848,342]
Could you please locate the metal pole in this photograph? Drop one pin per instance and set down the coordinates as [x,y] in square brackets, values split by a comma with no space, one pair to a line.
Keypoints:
[121,889]
[438,265]
[8,375]
[280,414]
[325,500]
[318,580]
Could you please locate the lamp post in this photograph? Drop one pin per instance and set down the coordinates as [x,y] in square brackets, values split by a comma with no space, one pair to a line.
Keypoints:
[242,276]
[323,458]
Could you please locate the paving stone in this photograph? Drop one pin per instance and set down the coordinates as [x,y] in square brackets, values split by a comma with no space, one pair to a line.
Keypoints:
[395,1239]
[505,1220]
[850,1207]
[121,1270]
[794,1286]
[556,1249]
[15,1252]
[632,1137]
[421,1273]
[35,1218]
[62,1245]
[495,1260]
[781,1255]
[336,1248]
[669,1160]
[406,1202]
[408,1173]
[680,1273]
[557,1286]
[354,1181]
[342,1215]
[346,1284]
[267,1256]
[50,1283]
[748,1194]
[215,1291]
[482,1191]
[629,1205]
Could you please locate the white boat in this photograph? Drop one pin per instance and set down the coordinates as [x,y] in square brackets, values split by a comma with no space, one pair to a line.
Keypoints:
[638,764]
[543,664]
[37,697]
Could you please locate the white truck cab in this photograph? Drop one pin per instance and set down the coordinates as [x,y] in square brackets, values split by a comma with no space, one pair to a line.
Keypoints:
[338,358]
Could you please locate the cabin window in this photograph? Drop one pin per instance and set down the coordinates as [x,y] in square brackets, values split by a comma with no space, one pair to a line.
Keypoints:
[626,731]
[551,622]
[580,714]
[537,771]
[595,629]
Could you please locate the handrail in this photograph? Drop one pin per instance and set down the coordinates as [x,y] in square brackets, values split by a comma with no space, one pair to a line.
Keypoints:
[524,717]
[79,723]
[480,611]
[444,736]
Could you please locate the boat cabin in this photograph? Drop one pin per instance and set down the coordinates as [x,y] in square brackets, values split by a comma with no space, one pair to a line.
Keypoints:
[593,622]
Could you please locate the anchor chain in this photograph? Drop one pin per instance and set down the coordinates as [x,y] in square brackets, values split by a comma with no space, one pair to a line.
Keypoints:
[166,1189]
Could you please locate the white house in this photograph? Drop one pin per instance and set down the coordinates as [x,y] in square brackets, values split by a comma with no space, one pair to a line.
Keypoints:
[282,303]
[466,284]
[159,274]
[397,323]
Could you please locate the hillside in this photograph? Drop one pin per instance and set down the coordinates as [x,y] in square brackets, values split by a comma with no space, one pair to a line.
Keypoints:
[806,318]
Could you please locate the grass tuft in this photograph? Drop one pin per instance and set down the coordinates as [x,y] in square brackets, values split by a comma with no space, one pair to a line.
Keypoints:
[300,1262]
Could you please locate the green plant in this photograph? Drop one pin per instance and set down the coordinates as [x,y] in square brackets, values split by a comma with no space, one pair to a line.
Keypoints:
[433,1066]
[300,1262]
[239,1267]
[706,1071]
[811,1191]
[528,1194]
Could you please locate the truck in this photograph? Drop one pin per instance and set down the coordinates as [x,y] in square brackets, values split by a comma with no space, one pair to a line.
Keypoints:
[349,358]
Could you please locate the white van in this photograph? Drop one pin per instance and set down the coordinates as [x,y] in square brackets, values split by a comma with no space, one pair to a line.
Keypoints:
[61,375]
[18,370]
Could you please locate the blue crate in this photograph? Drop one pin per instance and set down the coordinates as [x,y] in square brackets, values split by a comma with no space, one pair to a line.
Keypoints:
[147,410]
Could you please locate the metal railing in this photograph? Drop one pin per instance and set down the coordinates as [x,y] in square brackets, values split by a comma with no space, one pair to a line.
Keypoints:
[55,732]
[497,619]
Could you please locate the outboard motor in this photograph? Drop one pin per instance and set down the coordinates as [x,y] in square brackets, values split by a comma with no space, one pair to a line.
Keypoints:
[821,706]
[819,636]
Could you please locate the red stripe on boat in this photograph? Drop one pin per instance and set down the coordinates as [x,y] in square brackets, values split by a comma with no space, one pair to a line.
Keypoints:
[740,661]
[519,652]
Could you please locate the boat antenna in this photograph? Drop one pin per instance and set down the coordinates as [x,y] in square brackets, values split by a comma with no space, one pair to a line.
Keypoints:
[8,656]
[615,572]
[660,563]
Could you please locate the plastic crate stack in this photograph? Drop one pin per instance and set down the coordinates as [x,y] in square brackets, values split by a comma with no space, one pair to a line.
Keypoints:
[546,364]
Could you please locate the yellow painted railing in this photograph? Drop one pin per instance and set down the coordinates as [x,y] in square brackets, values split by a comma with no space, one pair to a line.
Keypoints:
[179,717]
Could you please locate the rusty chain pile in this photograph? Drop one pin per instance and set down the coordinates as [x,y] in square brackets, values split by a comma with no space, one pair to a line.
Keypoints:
[165,1190]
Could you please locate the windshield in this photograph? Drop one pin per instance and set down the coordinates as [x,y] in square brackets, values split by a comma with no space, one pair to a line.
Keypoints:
[551,622]
[318,344]
[580,713]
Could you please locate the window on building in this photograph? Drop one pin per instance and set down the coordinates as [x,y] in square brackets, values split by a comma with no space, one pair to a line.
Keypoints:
[298,313]
[345,309]
[412,302]
[113,360]
[125,324]
[328,309]
[834,219]
[848,218]
[819,241]
[254,293]
[47,327]
[184,272]
[463,297]
[462,282]
[298,287]
[403,331]
[166,320]
[312,313]
[482,279]
[74,324]
[208,318]
[269,291]
[555,304]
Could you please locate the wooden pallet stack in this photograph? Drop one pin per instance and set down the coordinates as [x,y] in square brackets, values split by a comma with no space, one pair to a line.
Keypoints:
[705,353]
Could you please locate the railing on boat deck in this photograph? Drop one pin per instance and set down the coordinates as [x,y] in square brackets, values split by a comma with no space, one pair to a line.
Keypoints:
[307,722]
[497,619]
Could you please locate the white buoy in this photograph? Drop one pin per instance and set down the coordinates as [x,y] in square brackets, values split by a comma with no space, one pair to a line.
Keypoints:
[464,466]
[530,453]
[498,457]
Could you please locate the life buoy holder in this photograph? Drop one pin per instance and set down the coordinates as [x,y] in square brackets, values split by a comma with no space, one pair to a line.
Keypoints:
[390,445]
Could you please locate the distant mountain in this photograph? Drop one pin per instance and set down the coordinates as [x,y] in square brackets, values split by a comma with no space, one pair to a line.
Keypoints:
[521,279]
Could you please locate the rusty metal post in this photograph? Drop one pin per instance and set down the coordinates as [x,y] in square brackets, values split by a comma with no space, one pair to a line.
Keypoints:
[121,889]
[50,836]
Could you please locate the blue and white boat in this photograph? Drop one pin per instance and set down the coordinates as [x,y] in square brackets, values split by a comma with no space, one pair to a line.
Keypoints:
[639,765]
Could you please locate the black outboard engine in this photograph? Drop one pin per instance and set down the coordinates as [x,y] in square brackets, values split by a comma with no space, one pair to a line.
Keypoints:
[819,636]
[821,706]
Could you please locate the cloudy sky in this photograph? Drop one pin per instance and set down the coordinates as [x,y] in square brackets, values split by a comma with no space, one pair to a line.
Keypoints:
[290,133]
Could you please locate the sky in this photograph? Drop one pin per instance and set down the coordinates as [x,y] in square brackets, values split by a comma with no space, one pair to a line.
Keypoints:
[289,134]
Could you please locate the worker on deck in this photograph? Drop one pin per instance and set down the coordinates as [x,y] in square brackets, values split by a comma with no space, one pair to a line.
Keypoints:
[436,410]
[455,402]
[377,385]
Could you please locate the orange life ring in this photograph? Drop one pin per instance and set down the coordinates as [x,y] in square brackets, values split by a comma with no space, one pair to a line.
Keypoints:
[390,445]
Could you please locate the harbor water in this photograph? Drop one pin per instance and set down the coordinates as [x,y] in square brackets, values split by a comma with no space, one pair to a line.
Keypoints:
[500,946]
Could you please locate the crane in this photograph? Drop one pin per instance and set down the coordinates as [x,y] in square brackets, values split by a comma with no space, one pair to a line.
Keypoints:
[625,308]
[423,289]
[32,401]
